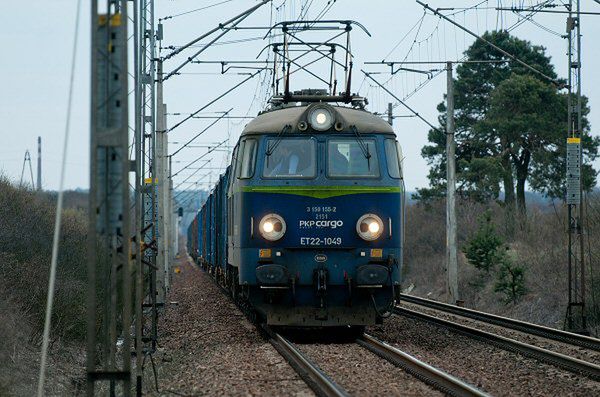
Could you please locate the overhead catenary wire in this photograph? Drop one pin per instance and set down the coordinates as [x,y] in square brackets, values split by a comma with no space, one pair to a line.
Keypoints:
[221,25]
[426,82]
[235,21]
[216,99]
[400,100]
[535,9]
[58,216]
[194,10]
[406,95]
[189,176]
[506,53]
[199,158]
[201,132]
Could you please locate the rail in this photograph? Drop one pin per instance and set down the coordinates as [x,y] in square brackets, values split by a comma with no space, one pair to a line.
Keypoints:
[310,373]
[522,326]
[566,362]
[423,371]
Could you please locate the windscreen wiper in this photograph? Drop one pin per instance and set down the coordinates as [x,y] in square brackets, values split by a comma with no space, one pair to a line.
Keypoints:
[363,147]
[272,146]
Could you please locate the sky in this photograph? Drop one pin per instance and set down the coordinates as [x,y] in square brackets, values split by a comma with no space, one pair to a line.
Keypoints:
[37,38]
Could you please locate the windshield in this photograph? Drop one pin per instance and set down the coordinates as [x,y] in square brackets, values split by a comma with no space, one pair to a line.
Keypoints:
[346,158]
[290,158]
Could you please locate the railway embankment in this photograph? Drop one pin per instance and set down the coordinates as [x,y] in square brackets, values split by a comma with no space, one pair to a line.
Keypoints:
[362,373]
[26,229]
[488,367]
[579,352]
[537,247]
[207,346]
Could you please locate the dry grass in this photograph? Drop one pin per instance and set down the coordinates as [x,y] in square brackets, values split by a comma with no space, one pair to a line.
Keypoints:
[26,219]
[541,246]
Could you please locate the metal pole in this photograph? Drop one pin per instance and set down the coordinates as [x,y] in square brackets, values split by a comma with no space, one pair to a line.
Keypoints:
[108,235]
[580,131]
[147,40]
[576,317]
[390,112]
[451,243]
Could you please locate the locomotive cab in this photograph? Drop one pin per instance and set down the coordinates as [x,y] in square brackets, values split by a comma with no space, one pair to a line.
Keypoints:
[315,203]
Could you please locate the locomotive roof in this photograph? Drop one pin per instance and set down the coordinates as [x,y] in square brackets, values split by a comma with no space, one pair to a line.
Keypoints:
[272,122]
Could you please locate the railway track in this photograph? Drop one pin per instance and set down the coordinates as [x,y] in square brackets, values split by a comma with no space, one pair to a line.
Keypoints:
[316,379]
[423,371]
[323,385]
[563,361]
[517,325]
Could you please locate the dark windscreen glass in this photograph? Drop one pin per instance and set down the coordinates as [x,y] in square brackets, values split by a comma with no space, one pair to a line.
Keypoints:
[346,158]
[290,158]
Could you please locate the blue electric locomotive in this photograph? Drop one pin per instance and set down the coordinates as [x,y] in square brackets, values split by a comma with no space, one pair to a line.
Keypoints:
[306,225]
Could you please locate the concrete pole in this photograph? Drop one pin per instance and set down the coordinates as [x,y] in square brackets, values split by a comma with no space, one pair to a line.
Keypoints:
[177,220]
[168,210]
[161,183]
[39,164]
[139,191]
[172,217]
[451,241]
[166,198]
[172,228]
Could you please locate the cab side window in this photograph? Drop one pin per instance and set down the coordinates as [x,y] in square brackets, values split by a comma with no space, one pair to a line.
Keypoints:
[392,154]
[238,158]
[248,159]
[232,175]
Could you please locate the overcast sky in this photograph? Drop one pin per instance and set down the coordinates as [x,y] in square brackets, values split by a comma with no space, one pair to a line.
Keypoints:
[37,37]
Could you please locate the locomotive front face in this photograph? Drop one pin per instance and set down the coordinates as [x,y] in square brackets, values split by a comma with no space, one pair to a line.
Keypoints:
[318,226]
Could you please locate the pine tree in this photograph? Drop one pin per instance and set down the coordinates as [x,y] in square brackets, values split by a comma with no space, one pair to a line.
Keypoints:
[484,250]
[511,280]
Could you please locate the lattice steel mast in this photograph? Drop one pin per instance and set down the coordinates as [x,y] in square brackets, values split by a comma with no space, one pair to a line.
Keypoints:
[109,264]
[576,316]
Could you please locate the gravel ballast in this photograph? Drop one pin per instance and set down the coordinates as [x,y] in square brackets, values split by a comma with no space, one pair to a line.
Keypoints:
[581,353]
[363,373]
[489,368]
[207,347]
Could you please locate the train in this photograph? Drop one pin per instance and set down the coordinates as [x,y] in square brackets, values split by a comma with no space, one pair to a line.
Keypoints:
[306,225]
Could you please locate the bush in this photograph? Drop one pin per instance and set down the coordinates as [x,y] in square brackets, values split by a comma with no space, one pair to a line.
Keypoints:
[27,220]
[484,250]
[510,281]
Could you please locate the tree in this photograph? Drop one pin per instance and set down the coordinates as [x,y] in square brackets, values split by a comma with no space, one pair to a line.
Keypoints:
[511,280]
[493,150]
[484,249]
[526,119]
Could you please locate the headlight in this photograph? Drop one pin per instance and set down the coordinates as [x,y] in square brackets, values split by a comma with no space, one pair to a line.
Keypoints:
[320,119]
[272,227]
[369,227]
